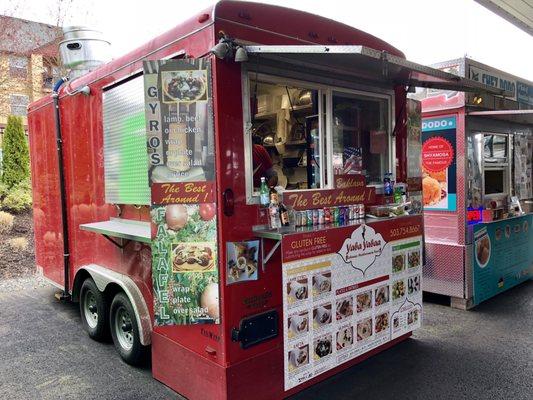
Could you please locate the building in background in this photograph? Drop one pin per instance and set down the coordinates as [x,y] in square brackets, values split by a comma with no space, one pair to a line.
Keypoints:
[29,63]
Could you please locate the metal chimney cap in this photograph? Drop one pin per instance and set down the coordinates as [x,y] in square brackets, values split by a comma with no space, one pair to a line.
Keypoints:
[81,32]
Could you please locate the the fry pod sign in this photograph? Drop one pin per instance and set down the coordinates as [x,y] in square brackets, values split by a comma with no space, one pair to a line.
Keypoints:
[180,144]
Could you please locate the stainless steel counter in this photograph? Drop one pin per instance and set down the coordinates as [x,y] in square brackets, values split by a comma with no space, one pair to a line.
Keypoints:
[122,228]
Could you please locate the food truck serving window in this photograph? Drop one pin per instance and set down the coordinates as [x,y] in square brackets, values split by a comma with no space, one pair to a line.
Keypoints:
[496,164]
[300,134]
[360,138]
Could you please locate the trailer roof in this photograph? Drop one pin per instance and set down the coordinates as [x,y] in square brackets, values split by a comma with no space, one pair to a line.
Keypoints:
[291,26]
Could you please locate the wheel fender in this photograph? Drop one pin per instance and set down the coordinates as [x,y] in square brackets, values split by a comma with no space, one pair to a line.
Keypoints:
[103,276]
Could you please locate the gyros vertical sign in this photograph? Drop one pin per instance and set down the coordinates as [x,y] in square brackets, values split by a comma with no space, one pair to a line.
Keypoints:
[180,137]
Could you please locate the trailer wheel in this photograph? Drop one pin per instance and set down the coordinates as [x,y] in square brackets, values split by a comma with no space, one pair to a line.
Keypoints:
[125,331]
[93,310]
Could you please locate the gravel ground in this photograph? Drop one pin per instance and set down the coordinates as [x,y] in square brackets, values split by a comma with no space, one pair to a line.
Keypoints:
[483,354]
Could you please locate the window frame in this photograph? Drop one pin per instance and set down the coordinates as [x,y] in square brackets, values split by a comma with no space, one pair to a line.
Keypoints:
[16,71]
[248,75]
[24,103]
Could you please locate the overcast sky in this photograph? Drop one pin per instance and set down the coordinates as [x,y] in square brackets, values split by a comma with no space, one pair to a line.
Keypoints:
[427,31]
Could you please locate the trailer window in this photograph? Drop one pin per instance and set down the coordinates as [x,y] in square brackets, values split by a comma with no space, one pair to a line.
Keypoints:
[125,157]
[287,136]
[496,165]
[360,136]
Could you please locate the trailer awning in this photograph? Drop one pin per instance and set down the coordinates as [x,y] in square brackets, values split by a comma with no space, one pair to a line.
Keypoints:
[367,63]
[518,116]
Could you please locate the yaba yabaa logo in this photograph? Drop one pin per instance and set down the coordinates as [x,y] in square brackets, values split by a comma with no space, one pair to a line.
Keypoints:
[362,248]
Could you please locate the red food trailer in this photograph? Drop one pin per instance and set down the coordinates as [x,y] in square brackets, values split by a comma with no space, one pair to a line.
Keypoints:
[146,176]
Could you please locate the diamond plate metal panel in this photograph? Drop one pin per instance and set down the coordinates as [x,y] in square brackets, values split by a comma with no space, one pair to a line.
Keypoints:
[125,156]
[444,269]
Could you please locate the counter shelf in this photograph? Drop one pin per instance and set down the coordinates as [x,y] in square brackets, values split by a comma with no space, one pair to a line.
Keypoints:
[263,232]
[121,228]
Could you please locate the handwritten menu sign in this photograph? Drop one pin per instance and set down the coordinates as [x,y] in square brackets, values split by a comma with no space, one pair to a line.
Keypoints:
[179,127]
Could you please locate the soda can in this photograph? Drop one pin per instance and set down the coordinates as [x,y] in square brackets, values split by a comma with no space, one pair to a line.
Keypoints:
[335,215]
[321,219]
[298,218]
[361,212]
[327,215]
[309,218]
[341,215]
[315,217]
[353,212]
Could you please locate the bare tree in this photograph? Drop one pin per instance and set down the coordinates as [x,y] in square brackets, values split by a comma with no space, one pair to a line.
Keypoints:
[22,38]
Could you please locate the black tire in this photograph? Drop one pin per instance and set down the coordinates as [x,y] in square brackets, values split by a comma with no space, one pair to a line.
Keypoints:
[94,310]
[125,331]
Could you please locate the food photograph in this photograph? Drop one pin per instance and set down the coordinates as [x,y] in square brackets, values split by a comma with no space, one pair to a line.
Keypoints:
[323,347]
[413,284]
[322,315]
[364,329]
[396,322]
[381,295]
[413,259]
[297,290]
[344,307]
[298,357]
[398,289]
[184,86]
[321,283]
[412,317]
[242,261]
[483,249]
[398,263]
[364,301]
[507,231]
[298,324]
[435,188]
[382,322]
[193,257]
[344,337]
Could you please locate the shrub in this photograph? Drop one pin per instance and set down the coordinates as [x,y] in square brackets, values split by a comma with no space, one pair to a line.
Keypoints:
[16,158]
[25,185]
[18,244]
[17,200]
[6,222]
[3,190]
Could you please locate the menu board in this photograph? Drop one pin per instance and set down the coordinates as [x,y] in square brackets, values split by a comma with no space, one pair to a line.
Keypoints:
[179,126]
[523,166]
[348,290]
[439,168]
[503,256]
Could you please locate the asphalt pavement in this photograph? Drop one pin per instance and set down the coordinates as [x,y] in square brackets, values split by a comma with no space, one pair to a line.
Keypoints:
[484,354]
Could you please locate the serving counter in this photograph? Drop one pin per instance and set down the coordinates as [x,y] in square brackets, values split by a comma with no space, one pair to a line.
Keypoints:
[501,253]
